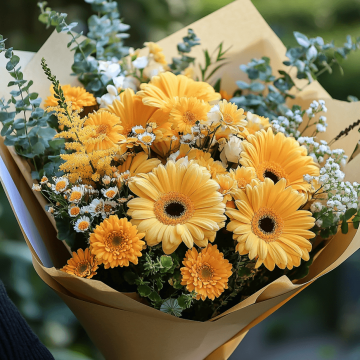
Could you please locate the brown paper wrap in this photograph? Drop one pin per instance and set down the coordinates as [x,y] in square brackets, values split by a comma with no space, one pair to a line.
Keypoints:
[122,327]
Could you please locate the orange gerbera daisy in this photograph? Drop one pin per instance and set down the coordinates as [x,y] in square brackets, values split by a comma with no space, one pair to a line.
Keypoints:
[276,156]
[268,225]
[78,96]
[82,264]
[138,164]
[206,272]
[163,90]
[186,112]
[107,131]
[132,112]
[116,242]
[227,186]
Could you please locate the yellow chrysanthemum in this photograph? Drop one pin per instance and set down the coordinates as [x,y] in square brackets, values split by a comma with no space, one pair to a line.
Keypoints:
[204,159]
[255,123]
[276,156]
[186,112]
[138,164]
[116,242]
[157,52]
[107,131]
[78,96]
[268,225]
[132,112]
[177,203]
[232,117]
[166,143]
[227,186]
[163,90]
[206,272]
[243,176]
[82,264]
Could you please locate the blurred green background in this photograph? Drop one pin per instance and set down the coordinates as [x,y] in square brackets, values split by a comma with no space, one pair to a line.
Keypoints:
[322,322]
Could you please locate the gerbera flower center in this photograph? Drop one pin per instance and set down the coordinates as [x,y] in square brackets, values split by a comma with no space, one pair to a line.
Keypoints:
[99,208]
[228,119]
[116,240]
[267,224]
[102,129]
[83,268]
[206,272]
[61,185]
[173,208]
[271,170]
[241,183]
[190,118]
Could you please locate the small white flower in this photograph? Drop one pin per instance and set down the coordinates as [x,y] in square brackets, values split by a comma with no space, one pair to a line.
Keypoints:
[230,152]
[106,180]
[36,187]
[138,129]
[318,222]
[147,138]
[109,207]
[213,116]
[322,102]
[308,178]
[109,69]
[106,100]
[110,193]
[141,62]
[60,185]
[74,211]
[188,139]
[82,224]
[77,192]
[320,128]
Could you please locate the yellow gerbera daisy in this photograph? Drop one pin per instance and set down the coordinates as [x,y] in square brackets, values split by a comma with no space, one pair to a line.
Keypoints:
[255,123]
[177,203]
[268,225]
[243,176]
[82,264]
[115,242]
[78,96]
[107,131]
[166,143]
[276,156]
[206,272]
[132,112]
[163,90]
[232,117]
[186,112]
[138,164]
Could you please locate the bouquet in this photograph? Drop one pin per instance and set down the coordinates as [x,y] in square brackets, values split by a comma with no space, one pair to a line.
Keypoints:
[186,207]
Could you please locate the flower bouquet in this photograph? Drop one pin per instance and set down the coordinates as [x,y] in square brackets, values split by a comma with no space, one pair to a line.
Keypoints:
[179,199]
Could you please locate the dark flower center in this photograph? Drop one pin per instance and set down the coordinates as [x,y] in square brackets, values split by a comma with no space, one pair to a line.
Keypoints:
[271,175]
[175,209]
[267,225]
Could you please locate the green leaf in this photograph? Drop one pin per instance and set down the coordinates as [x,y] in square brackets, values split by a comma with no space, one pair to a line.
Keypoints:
[344,227]
[154,296]
[301,39]
[8,53]
[35,175]
[38,148]
[65,230]
[144,290]
[166,261]
[130,277]
[349,213]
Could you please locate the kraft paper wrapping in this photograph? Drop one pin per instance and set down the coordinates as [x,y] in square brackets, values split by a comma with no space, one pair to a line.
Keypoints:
[122,327]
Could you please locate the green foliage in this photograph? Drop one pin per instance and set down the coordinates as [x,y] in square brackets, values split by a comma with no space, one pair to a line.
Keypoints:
[104,42]
[29,128]
[266,94]
[172,307]
[181,63]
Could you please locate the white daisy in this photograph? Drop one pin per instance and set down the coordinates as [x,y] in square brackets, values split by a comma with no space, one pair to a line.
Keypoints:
[60,185]
[110,193]
[82,224]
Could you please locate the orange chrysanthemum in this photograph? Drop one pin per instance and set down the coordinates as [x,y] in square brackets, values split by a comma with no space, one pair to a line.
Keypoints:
[243,176]
[206,272]
[82,264]
[116,242]
[78,96]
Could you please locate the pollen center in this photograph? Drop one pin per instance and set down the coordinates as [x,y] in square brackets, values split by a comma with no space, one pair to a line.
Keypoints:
[60,185]
[102,129]
[75,196]
[267,224]
[271,170]
[84,267]
[173,208]
[228,119]
[190,118]
[206,272]
[115,241]
[83,225]
[107,208]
